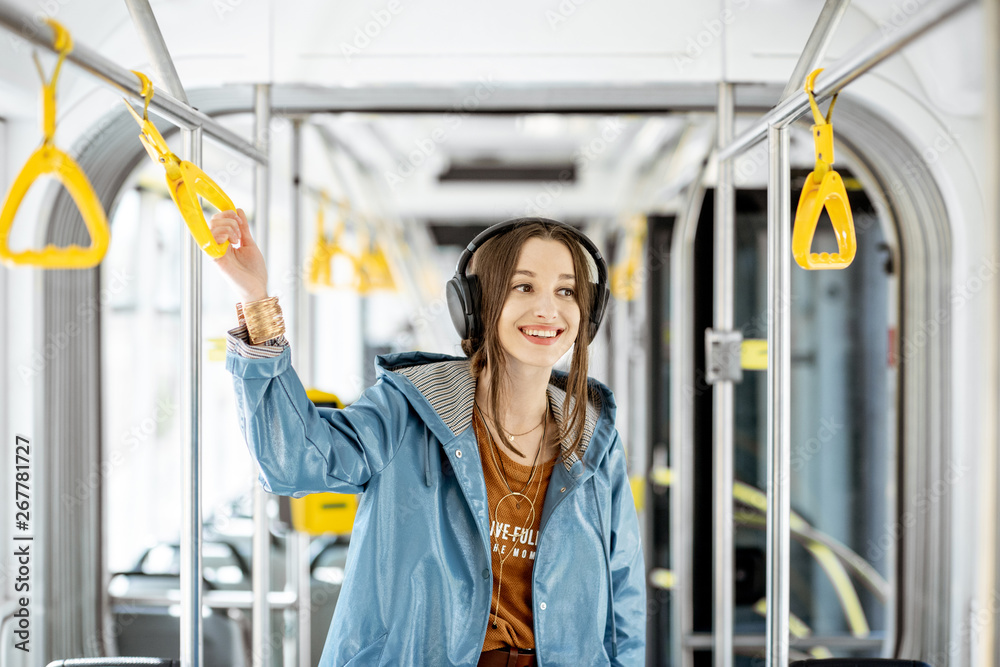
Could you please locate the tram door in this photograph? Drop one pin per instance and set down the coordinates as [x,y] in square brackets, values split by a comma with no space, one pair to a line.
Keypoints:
[843,445]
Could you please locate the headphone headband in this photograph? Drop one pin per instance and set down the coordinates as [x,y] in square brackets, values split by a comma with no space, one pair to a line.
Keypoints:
[509,225]
[463,291]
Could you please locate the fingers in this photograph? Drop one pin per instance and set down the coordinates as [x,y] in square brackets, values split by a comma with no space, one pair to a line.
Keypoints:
[225,229]
[231,226]
[244,227]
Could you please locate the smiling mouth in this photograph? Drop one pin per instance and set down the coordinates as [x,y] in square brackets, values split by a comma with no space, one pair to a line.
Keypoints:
[540,333]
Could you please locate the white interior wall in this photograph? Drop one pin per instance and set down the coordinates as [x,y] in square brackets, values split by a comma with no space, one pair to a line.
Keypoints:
[933,88]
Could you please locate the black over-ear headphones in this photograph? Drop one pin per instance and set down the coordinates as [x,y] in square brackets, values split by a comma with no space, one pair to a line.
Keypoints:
[465,294]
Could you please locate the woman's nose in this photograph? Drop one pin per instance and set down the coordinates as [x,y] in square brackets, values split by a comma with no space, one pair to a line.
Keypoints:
[545,305]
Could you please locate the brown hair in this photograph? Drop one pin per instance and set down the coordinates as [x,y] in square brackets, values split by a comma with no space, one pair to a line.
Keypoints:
[493,266]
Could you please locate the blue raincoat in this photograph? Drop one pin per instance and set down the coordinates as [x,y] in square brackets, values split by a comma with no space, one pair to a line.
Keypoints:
[418,579]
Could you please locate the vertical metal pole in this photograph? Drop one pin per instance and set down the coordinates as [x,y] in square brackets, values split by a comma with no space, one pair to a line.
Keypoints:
[298,560]
[779,251]
[159,55]
[722,454]
[682,383]
[261,532]
[191,539]
[986,651]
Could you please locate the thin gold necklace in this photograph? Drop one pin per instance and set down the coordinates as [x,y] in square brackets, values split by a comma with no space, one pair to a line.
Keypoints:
[501,466]
[510,436]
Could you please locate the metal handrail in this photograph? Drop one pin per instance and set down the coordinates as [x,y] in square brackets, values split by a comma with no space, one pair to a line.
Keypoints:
[278,600]
[814,50]
[23,25]
[843,72]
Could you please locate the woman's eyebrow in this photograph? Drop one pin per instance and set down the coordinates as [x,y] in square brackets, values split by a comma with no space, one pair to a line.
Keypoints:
[531,274]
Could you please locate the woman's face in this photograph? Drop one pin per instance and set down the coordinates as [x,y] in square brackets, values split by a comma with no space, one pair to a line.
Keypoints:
[540,318]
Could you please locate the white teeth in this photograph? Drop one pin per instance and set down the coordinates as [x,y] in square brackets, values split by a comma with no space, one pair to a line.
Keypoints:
[541,333]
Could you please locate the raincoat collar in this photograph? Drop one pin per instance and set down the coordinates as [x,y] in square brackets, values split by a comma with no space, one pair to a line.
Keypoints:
[442,390]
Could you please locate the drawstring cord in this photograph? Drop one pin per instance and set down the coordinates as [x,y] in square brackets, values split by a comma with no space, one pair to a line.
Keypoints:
[427,464]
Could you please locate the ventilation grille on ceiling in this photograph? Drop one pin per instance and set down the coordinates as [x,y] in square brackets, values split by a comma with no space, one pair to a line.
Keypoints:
[564,172]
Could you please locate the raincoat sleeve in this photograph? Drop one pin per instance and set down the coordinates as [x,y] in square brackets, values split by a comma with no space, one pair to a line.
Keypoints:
[628,569]
[302,449]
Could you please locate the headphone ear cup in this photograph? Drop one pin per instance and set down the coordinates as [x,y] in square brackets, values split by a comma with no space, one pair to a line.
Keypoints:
[456,293]
[474,300]
[601,297]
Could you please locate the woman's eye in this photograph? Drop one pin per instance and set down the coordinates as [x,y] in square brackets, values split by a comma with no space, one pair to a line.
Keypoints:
[523,287]
[566,291]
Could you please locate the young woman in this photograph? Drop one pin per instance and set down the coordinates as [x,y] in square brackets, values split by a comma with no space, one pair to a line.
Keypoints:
[496,525]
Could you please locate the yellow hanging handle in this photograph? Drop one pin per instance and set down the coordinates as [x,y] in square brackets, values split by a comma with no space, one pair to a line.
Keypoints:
[373,268]
[185,180]
[319,261]
[824,188]
[49,160]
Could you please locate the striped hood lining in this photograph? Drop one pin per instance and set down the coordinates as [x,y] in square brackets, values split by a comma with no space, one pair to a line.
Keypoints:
[450,389]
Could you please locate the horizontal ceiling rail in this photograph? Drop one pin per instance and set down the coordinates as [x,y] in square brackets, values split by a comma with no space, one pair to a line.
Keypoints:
[846,70]
[24,25]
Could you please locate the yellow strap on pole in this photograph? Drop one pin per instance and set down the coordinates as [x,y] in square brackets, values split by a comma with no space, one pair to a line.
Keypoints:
[185,180]
[50,160]
[824,188]
[373,267]
[625,278]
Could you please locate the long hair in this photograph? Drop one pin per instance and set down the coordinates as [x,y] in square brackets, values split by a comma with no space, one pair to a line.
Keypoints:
[493,266]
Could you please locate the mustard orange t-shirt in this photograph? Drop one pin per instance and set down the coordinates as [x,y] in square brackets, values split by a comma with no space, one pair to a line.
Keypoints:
[514,523]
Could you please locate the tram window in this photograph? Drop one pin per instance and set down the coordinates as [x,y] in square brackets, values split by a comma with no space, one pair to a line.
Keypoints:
[842,388]
[843,441]
[141,338]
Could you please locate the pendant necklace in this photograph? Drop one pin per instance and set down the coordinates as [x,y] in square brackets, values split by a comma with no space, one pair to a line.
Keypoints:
[515,494]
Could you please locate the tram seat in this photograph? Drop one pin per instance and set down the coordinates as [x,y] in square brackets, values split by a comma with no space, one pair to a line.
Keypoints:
[155,630]
[858,662]
[115,662]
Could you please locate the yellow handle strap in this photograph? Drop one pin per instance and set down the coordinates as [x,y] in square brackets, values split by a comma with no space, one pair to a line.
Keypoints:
[63,44]
[185,180]
[49,160]
[187,183]
[824,188]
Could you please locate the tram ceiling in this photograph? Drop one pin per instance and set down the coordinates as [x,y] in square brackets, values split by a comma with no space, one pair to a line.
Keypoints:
[446,167]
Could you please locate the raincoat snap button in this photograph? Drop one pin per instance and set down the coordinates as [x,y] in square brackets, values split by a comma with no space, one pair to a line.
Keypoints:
[458,453]
[486,574]
[542,606]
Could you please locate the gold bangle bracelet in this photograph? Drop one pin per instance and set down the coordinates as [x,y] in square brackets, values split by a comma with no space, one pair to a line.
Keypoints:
[263,319]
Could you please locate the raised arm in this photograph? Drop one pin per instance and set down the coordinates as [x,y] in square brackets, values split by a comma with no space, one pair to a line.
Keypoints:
[299,449]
